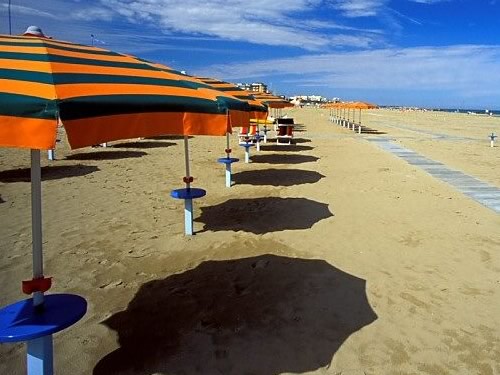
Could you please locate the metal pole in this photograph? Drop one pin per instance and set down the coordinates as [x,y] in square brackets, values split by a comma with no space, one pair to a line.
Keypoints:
[36,221]
[186,156]
[10,21]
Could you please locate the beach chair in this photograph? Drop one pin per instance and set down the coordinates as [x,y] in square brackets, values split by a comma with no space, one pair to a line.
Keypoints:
[285,131]
[248,134]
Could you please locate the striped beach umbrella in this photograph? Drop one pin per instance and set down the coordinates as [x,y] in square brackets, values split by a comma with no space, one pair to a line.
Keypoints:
[257,109]
[272,101]
[98,96]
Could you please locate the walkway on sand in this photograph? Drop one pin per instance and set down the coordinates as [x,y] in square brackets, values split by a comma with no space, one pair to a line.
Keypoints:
[480,191]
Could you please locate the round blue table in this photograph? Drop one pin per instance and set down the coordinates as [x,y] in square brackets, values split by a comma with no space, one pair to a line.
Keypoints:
[22,321]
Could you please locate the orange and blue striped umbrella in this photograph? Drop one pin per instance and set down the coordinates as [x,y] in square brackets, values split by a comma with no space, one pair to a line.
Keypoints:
[99,96]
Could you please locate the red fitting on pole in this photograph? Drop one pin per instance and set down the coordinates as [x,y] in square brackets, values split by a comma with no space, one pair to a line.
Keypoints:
[188,179]
[41,284]
[228,150]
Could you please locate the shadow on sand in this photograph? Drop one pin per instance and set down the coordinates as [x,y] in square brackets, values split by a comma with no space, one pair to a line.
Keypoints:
[283,159]
[264,315]
[277,177]
[171,137]
[144,144]
[263,215]
[293,148]
[106,155]
[48,173]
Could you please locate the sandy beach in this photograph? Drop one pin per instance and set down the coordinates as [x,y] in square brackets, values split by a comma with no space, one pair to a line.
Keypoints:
[331,256]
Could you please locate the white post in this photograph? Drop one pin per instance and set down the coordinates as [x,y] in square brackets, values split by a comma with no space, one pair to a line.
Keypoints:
[188,216]
[247,154]
[40,356]
[36,221]
[51,154]
[228,174]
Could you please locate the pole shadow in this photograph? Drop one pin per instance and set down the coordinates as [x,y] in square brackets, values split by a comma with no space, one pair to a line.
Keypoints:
[144,144]
[367,130]
[55,172]
[295,148]
[301,140]
[263,315]
[106,155]
[263,215]
[277,177]
[283,159]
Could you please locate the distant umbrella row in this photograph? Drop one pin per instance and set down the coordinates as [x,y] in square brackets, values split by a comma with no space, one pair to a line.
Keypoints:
[100,96]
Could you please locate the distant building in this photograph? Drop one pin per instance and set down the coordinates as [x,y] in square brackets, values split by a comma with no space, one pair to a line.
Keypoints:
[255,86]
[301,100]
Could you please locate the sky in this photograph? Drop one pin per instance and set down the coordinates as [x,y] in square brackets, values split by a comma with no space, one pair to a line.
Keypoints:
[425,53]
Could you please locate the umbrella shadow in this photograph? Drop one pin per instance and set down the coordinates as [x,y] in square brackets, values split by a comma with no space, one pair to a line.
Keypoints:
[263,315]
[48,173]
[106,155]
[298,148]
[301,140]
[171,137]
[263,215]
[277,177]
[283,159]
[144,144]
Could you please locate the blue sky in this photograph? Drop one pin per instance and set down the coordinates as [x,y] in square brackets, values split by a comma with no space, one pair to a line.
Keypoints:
[433,53]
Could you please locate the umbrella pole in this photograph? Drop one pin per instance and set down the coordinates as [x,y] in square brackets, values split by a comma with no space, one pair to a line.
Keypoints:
[36,222]
[188,202]
[359,128]
[228,165]
[39,350]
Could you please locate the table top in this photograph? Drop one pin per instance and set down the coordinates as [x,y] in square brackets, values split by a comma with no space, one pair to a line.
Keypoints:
[21,321]
[188,193]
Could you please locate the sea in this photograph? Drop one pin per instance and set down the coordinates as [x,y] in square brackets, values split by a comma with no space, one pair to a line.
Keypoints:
[493,112]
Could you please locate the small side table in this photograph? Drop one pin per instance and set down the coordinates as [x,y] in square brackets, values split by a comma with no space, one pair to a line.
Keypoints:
[228,161]
[21,321]
[188,194]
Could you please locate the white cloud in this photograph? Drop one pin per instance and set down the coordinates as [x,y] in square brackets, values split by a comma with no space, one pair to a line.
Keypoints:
[93,14]
[24,10]
[429,1]
[359,8]
[259,21]
[464,68]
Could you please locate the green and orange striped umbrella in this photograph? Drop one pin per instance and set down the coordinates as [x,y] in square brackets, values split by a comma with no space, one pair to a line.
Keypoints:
[271,101]
[99,96]
[258,110]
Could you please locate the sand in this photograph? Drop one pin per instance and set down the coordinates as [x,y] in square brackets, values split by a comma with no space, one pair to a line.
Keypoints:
[328,257]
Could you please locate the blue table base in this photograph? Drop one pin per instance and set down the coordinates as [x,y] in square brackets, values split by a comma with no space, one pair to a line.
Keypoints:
[22,321]
[247,151]
[188,194]
[228,161]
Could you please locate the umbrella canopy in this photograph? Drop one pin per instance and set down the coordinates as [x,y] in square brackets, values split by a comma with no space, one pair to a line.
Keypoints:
[99,96]
[271,101]
[359,105]
[257,109]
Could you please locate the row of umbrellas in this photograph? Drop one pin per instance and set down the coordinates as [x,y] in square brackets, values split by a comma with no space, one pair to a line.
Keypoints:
[101,96]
